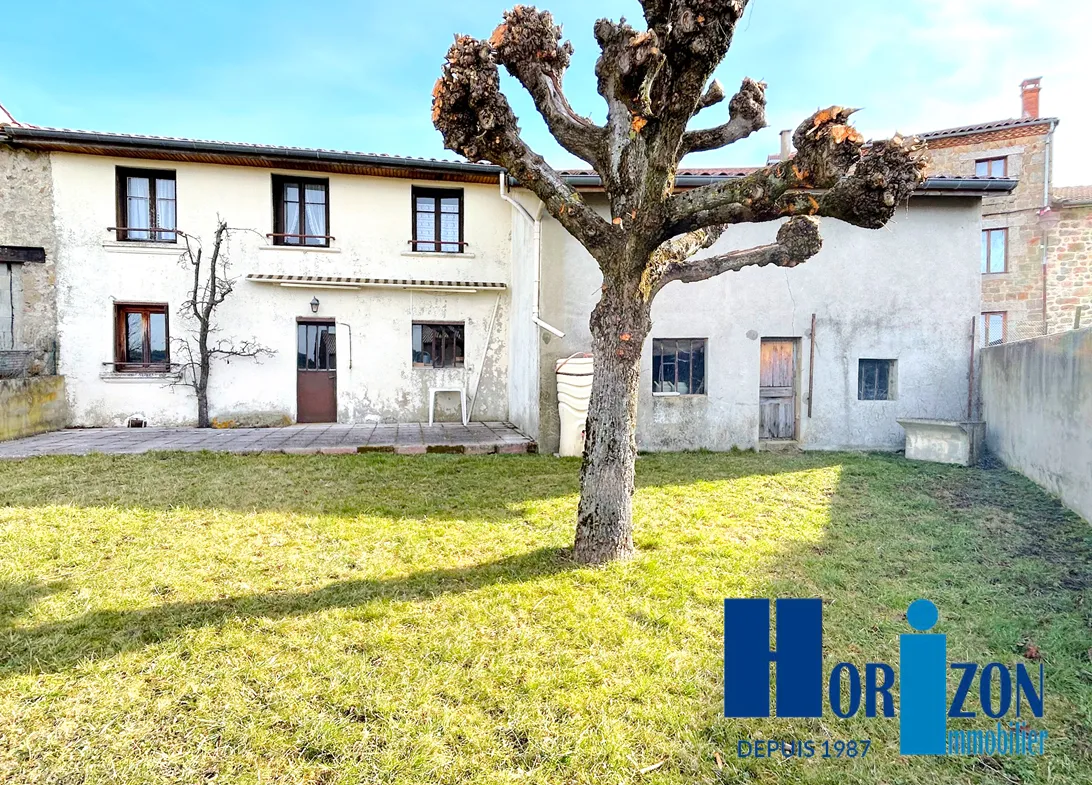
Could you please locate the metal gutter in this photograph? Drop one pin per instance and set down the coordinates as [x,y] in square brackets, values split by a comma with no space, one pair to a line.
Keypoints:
[56,136]
[940,185]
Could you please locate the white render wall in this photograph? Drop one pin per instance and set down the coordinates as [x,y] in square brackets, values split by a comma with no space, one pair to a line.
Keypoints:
[906,292]
[370,218]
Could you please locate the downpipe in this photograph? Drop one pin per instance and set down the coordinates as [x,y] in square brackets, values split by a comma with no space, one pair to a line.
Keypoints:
[536,221]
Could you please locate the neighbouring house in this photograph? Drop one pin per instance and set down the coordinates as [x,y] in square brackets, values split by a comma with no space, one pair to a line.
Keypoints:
[380,281]
[1069,251]
[1019,275]
[27,315]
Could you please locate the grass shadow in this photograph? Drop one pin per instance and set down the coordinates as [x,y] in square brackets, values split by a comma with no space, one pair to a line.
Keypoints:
[54,646]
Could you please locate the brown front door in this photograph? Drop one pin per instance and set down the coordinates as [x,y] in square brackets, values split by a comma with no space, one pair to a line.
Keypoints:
[777,390]
[316,372]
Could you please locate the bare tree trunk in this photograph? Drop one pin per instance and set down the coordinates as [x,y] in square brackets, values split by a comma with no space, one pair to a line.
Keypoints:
[604,528]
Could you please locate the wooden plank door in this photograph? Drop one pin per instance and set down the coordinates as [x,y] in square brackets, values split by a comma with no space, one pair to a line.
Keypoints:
[777,389]
[316,372]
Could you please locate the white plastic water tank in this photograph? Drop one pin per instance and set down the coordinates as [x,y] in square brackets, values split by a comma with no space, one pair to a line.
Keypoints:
[574,383]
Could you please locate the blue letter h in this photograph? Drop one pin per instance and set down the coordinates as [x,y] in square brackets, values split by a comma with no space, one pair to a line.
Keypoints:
[747,658]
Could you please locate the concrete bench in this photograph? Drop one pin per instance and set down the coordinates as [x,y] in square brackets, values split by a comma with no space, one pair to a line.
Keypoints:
[944,441]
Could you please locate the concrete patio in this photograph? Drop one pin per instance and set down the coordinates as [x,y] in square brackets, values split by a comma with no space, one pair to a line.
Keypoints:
[476,438]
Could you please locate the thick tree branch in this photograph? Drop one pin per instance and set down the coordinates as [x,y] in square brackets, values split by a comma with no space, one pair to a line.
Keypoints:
[527,45]
[477,122]
[829,176]
[746,112]
[797,241]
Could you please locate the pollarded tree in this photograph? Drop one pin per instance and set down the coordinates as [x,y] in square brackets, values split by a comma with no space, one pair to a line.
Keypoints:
[654,82]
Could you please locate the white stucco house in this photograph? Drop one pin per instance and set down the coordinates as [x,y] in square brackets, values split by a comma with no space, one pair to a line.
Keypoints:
[376,279]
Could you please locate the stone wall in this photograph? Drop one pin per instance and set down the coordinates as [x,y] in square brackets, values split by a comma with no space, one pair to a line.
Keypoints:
[1069,272]
[32,405]
[1018,291]
[1037,403]
[26,218]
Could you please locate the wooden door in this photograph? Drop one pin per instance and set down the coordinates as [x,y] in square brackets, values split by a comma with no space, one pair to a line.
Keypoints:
[777,389]
[316,372]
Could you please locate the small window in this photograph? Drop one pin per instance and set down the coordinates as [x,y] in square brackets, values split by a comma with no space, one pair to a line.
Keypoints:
[141,337]
[146,206]
[438,220]
[316,349]
[678,366]
[995,250]
[438,345]
[875,380]
[991,167]
[993,328]
[301,211]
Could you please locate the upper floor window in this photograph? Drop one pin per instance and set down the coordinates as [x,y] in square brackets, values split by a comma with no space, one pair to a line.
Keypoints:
[438,220]
[141,339]
[438,345]
[146,205]
[301,211]
[995,250]
[991,167]
[876,380]
[993,328]
[678,366]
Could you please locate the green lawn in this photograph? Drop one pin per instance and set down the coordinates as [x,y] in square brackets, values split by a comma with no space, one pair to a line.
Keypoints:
[359,619]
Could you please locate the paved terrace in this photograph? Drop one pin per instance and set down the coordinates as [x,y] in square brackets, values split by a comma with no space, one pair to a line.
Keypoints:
[477,438]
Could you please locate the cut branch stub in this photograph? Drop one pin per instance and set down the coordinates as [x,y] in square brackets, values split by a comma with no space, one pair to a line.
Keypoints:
[468,108]
[826,147]
[628,65]
[746,114]
[885,177]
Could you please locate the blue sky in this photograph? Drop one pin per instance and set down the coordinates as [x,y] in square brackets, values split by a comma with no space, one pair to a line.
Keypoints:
[358,75]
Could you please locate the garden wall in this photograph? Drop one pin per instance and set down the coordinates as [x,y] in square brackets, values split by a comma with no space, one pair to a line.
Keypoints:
[1037,403]
[32,405]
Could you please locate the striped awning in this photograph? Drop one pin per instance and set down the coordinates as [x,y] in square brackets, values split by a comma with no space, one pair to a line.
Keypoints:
[345,282]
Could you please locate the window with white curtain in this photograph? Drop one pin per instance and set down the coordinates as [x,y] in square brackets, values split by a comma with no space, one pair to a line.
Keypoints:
[438,220]
[301,211]
[146,205]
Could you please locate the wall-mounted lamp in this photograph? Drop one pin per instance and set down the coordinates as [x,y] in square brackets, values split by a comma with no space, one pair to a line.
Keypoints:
[314,305]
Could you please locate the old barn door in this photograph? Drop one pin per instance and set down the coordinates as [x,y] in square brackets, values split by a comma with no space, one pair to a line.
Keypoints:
[316,372]
[777,389]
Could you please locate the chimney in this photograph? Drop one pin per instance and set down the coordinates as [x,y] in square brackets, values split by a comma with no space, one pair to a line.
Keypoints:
[786,145]
[1029,95]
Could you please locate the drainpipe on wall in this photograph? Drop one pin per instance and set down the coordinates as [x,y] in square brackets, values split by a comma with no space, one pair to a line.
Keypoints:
[537,222]
[1046,227]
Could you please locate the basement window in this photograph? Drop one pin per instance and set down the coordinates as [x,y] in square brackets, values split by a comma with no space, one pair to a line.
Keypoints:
[438,345]
[678,366]
[876,380]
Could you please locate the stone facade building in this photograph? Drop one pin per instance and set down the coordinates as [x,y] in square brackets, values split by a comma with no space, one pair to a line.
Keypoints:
[1069,251]
[28,318]
[1017,285]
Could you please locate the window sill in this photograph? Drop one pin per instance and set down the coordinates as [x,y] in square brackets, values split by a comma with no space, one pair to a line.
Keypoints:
[440,254]
[677,395]
[999,272]
[300,248]
[136,246]
[138,377]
